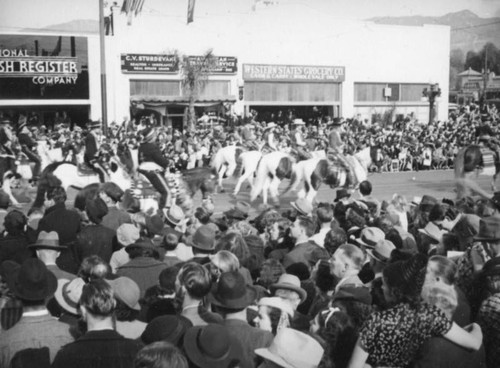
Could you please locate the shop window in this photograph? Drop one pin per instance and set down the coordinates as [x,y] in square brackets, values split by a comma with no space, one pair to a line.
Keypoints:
[369,92]
[216,88]
[154,88]
[412,92]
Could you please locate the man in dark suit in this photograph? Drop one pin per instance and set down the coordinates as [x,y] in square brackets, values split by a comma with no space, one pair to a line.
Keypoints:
[66,223]
[152,164]
[92,150]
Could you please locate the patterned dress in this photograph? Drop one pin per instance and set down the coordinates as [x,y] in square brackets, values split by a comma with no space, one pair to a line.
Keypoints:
[393,337]
[489,320]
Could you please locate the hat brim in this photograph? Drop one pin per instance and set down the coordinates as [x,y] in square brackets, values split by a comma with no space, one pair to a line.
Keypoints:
[482,238]
[240,303]
[298,209]
[266,354]
[372,254]
[429,235]
[202,360]
[40,294]
[302,293]
[60,298]
[46,246]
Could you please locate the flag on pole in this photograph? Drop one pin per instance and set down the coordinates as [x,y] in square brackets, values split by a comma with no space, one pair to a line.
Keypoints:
[190,15]
[132,8]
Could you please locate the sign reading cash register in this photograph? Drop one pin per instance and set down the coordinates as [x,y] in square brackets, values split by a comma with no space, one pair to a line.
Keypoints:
[297,73]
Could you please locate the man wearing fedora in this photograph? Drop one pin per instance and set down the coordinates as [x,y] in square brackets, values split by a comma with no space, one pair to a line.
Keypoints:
[34,284]
[304,250]
[231,298]
[203,244]
[48,249]
[66,223]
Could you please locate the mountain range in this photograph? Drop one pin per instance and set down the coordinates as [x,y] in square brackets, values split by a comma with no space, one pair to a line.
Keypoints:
[468,31]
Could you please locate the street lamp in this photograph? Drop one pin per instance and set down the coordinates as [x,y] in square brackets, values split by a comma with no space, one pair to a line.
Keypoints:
[431,93]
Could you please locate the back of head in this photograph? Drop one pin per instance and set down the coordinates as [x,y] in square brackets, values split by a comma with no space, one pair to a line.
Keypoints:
[307,224]
[195,278]
[97,298]
[406,278]
[325,214]
[92,268]
[442,296]
[445,268]
[334,239]
[365,188]
[57,194]
[354,254]
[160,354]
[15,222]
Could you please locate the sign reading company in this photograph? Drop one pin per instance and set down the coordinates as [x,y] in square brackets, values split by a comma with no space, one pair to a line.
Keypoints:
[297,73]
[149,63]
[43,67]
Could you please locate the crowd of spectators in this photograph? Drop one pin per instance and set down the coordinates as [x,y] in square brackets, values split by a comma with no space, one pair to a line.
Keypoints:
[395,283]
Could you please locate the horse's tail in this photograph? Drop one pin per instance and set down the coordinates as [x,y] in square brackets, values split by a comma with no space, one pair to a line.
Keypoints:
[460,163]
[260,178]
[239,162]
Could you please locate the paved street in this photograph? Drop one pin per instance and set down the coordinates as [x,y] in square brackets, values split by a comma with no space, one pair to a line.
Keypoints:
[438,183]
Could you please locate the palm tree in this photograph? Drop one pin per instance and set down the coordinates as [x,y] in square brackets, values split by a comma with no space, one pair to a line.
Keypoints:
[195,72]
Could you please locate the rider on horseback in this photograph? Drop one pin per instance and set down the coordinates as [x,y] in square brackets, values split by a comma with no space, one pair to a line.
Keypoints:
[335,152]
[269,138]
[92,150]
[152,164]
[28,147]
[6,147]
[248,138]
[486,138]
[297,140]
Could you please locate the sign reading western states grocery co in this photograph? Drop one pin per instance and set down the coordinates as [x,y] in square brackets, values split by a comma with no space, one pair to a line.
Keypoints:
[297,73]
[148,63]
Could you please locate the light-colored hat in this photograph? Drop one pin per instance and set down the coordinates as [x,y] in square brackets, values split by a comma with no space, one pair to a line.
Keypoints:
[127,234]
[47,240]
[298,122]
[277,302]
[126,290]
[370,236]
[293,349]
[271,125]
[68,294]
[174,215]
[382,251]
[433,231]
[289,282]
[303,206]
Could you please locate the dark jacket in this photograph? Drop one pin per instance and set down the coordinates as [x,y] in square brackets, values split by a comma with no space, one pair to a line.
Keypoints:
[26,140]
[66,223]
[94,240]
[14,248]
[91,148]
[143,270]
[438,352]
[115,218]
[150,152]
[98,349]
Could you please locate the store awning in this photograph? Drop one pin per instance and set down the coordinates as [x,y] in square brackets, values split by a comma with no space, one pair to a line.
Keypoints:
[151,100]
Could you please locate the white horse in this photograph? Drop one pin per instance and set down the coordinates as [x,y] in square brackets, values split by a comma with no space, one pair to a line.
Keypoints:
[273,168]
[249,162]
[224,162]
[314,171]
[48,155]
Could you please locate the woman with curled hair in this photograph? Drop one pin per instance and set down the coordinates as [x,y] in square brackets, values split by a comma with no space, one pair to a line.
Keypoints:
[160,354]
[222,261]
[389,338]
[234,243]
[336,332]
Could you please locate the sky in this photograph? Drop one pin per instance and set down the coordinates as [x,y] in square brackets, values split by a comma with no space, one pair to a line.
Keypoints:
[36,13]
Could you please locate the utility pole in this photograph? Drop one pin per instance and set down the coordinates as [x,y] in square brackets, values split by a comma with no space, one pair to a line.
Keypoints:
[485,74]
[431,94]
[104,107]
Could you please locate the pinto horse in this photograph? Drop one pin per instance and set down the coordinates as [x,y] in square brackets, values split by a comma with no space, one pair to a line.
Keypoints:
[273,168]
[315,171]
[470,160]
[225,162]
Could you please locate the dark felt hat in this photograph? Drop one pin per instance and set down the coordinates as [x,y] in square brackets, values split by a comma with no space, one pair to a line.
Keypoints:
[210,346]
[47,240]
[96,209]
[342,193]
[203,238]
[34,281]
[427,203]
[168,328]
[154,225]
[232,292]
[489,229]
[94,125]
[142,243]
[492,267]
[113,191]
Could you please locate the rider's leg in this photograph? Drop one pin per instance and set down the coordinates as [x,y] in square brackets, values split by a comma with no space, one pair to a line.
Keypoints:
[37,161]
[160,184]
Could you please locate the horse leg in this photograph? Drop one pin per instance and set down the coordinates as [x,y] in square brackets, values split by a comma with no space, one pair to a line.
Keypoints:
[493,181]
[8,190]
[221,173]
[240,182]
[265,188]
[311,196]
[275,183]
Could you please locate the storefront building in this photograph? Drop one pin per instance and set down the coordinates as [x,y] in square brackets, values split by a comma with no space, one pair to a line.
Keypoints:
[49,79]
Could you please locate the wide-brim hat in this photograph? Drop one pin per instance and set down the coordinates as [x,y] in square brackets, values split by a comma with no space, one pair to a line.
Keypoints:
[289,282]
[277,302]
[335,122]
[427,203]
[432,231]
[168,328]
[489,229]
[382,250]
[232,292]
[293,349]
[210,346]
[47,240]
[298,122]
[342,193]
[203,238]
[303,206]
[174,215]
[68,294]
[270,125]
[94,125]
[34,281]
[491,268]
[370,236]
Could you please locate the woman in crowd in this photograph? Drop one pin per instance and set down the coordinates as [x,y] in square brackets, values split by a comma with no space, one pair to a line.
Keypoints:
[389,338]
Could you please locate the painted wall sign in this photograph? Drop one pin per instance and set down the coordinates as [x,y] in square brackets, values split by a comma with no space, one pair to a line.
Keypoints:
[290,73]
[149,63]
